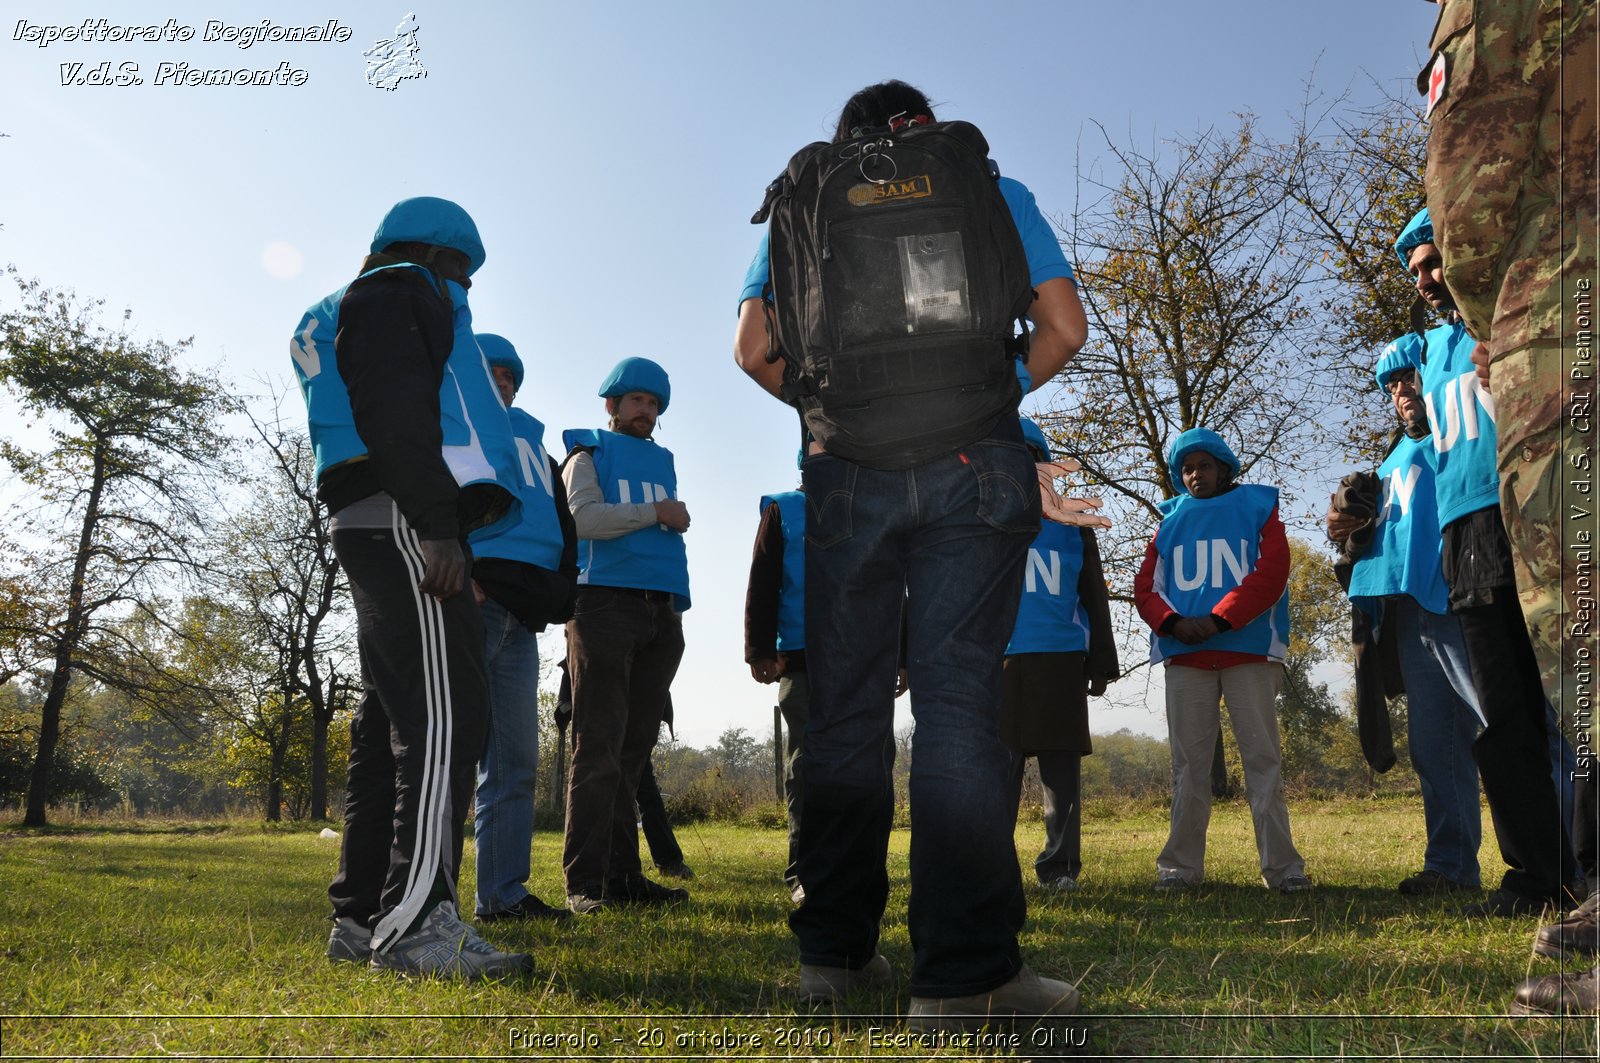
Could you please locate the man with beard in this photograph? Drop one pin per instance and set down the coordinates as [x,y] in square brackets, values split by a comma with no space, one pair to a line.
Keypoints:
[626,634]
[1513,752]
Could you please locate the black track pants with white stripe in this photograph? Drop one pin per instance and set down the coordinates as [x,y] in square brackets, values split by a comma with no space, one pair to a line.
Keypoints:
[416,737]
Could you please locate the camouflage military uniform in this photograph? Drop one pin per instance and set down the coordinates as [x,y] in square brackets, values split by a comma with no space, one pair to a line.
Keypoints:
[1511,187]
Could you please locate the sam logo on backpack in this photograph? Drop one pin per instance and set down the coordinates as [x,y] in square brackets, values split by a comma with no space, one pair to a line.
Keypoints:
[866,194]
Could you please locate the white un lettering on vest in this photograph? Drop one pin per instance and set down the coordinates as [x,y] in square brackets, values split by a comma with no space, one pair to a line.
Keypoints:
[1463,398]
[1213,556]
[647,492]
[304,351]
[1048,571]
[535,465]
[1398,489]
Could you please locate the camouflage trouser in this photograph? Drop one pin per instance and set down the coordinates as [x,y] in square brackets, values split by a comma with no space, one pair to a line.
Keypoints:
[1544,415]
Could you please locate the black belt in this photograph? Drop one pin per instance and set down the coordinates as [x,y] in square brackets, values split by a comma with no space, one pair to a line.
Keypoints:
[636,592]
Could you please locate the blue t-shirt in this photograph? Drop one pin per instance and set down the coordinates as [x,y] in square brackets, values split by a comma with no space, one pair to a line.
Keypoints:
[1045,260]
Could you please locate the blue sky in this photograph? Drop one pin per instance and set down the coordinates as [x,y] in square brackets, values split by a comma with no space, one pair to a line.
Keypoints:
[612,155]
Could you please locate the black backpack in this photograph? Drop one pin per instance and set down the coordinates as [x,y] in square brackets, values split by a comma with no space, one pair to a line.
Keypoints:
[897,276]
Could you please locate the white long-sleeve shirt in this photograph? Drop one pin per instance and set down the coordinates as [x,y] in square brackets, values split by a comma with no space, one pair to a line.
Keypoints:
[594,517]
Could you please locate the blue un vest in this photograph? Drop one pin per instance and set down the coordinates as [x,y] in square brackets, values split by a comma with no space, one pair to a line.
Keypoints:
[1050,618]
[1461,415]
[1205,547]
[792,595]
[1404,556]
[536,539]
[652,558]
[478,444]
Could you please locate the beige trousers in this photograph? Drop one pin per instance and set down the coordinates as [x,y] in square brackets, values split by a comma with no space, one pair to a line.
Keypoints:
[1193,717]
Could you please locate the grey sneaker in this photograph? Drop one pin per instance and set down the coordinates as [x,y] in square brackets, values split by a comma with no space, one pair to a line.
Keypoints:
[445,947]
[1025,996]
[350,942]
[586,903]
[1059,883]
[1295,884]
[1168,883]
[824,985]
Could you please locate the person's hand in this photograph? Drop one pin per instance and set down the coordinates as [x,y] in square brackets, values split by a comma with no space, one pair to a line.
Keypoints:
[673,515]
[1065,509]
[1192,630]
[1097,687]
[477,593]
[1480,359]
[1341,525]
[766,670]
[444,571]
[902,682]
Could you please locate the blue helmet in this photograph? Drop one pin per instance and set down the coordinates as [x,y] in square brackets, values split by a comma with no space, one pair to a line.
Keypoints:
[1200,439]
[1405,352]
[1418,231]
[497,350]
[430,220]
[1034,436]
[638,374]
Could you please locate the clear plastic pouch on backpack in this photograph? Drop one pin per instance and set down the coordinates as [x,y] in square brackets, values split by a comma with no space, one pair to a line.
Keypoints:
[933,271]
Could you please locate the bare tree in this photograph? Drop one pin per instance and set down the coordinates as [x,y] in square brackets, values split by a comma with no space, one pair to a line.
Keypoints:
[1199,314]
[301,586]
[266,641]
[1356,174]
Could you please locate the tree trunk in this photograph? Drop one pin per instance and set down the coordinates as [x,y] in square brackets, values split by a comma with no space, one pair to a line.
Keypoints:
[66,645]
[49,738]
[275,798]
[319,767]
[280,750]
[322,707]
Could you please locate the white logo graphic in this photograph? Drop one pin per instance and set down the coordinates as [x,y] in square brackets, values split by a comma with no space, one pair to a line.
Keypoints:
[395,60]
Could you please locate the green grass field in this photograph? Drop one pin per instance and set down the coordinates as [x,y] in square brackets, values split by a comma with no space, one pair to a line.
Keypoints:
[205,941]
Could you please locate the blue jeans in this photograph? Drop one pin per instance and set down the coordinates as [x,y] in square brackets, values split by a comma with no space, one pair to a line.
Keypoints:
[945,542]
[1442,722]
[503,818]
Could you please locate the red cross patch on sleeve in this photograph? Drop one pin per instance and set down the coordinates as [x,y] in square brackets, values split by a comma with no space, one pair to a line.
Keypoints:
[1436,81]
